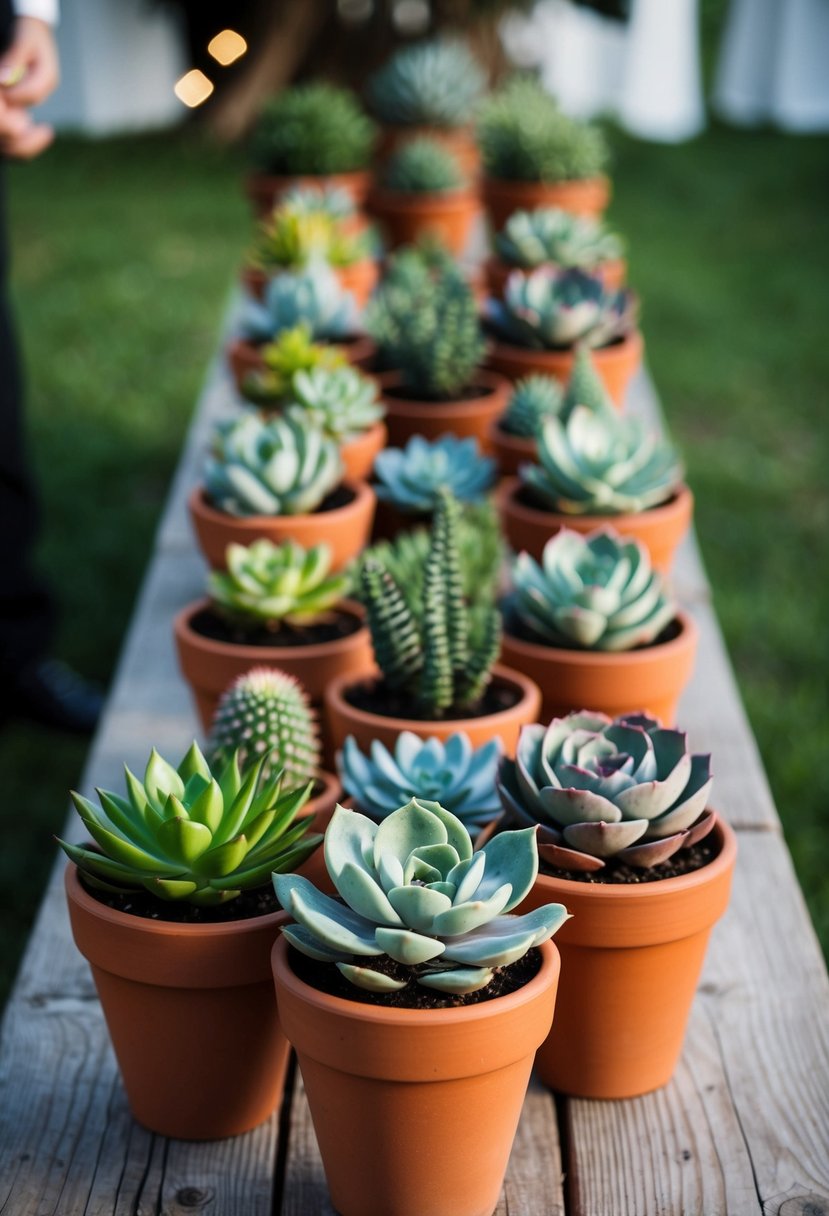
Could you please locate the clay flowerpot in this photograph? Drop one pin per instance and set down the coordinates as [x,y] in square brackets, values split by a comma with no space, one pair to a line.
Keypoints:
[468,416]
[511,451]
[501,198]
[613,273]
[360,278]
[660,529]
[407,218]
[210,666]
[631,958]
[459,141]
[345,529]
[266,189]
[415,1110]
[616,364]
[191,1015]
[650,678]
[346,719]
[245,357]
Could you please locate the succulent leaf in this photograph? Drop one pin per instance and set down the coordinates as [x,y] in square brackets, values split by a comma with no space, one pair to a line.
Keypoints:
[411,478]
[549,235]
[554,309]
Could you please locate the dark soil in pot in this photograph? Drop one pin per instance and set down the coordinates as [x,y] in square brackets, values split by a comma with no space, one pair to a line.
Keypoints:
[472,392]
[686,861]
[211,624]
[374,697]
[517,629]
[258,902]
[340,497]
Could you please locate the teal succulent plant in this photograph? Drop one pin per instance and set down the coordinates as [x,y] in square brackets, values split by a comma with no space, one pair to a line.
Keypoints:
[184,834]
[548,234]
[625,789]
[533,399]
[279,466]
[274,585]
[553,309]
[411,478]
[342,400]
[461,778]
[430,84]
[423,166]
[596,592]
[332,201]
[413,890]
[312,129]
[266,714]
[312,298]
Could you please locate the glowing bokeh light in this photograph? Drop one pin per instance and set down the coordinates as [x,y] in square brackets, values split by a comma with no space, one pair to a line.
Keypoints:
[193,88]
[227,47]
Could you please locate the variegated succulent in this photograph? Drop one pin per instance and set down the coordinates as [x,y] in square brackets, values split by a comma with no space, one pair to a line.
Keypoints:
[532,400]
[292,351]
[185,835]
[412,477]
[461,778]
[312,298]
[432,84]
[548,234]
[292,238]
[553,309]
[602,788]
[270,585]
[596,592]
[266,713]
[341,400]
[413,890]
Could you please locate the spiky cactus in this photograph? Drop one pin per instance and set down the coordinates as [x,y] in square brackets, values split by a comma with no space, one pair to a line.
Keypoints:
[267,713]
[423,166]
[311,129]
[434,84]
[533,399]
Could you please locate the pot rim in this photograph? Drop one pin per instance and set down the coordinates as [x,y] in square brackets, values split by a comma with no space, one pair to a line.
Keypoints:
[361,491]
[261,178]
[680,502]
[497,384]
[458,199]
[655,652]
[189,637]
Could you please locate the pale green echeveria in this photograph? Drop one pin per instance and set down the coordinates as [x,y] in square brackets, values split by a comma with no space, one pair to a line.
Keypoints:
[268,584]
[413,888]
[435,83]
[595,592]
[601,464]
[548,234]
[188,835]
[413,477]
[276,466]
[313,297]
[461,778]
[602,788]
[341,400]
[554,309]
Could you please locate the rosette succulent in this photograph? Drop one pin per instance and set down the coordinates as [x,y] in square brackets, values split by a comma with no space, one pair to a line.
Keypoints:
[532,400]
[183,834]
[311,200]
[430,84]
[270,585]
[312,298]
[625,789]
[596,592]
[413,890]
[266,713]
[341,400]
[292,238]
[553,309]
[548,234]
[601,464]
[276,466]
[312,129]
[461,778]
[423,166]
[292,352]
[412,477]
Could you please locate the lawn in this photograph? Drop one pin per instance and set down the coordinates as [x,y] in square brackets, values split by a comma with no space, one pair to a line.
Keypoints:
[124,253]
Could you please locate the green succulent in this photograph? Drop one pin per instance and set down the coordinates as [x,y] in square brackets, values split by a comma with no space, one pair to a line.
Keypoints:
[430,84]
[412,477]
[408,280]
[276,466]
[553,309]
[292,352]
[524,136]
[313,298]
[602,788]
[596,592]
[271,585]
[292,239]
[461,778]
[267,713]
[423,166]
[412,889]
[601,464]
[312,129]
[185,835]
[341,400]
[532,400]
[586,387]
[426,655]
[548,234]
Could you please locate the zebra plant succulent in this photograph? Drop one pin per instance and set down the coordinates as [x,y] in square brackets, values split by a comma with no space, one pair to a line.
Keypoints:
[423,166]
[430,84]
[293,351]
[341,400]
[553,309]
[277,466]
[411,478]
[548,234]
[185,835]
[312,298]
[533,399]
[266,713]
[275,585]
[412,890]
[596,592]
[602,789]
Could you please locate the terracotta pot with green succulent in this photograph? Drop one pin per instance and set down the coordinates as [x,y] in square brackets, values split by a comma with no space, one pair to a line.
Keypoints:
[413,997]
[172,906]
[281,479]
[423,195]
[627,842]
[549,236]
[408,481]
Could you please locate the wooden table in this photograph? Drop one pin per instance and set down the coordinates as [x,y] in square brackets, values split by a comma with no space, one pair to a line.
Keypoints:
[742,1129]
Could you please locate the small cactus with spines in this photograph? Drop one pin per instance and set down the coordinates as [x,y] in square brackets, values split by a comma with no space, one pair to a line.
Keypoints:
[266,712]
[423,166]
[434,84]
[533,399]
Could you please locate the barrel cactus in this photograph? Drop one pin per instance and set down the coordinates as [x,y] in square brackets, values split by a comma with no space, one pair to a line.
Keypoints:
[277,466]
[312,297]
[267,713]
[341,400]
[275,585]
[292,351]
[532,400]
[602,789]
[553,309]
[596,592]
[461,778]
[184,834]
[412,477]
[412,890]
[548,234]
[422,166]
[430,84]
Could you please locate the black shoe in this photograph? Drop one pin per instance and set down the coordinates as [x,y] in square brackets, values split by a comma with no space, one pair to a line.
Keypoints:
[52,694]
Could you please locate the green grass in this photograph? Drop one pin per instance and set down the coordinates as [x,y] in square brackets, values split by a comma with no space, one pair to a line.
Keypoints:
[124,252]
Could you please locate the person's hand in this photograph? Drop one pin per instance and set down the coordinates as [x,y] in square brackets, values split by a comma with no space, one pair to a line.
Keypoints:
[29,72]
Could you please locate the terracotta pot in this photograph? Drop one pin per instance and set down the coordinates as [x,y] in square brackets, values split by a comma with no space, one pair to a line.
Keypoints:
[191,1015]
[244,357]
[460,141]
[651,678]
[346,719]
[613,273]
[468,417]
[389,520]
[631,958]
[264,190]
[344,529]
[406,218]
[501,198]
[616,364]
[358,454]
[210,666]
[511,451]
[660,529]
[415,1110]
[360,278]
